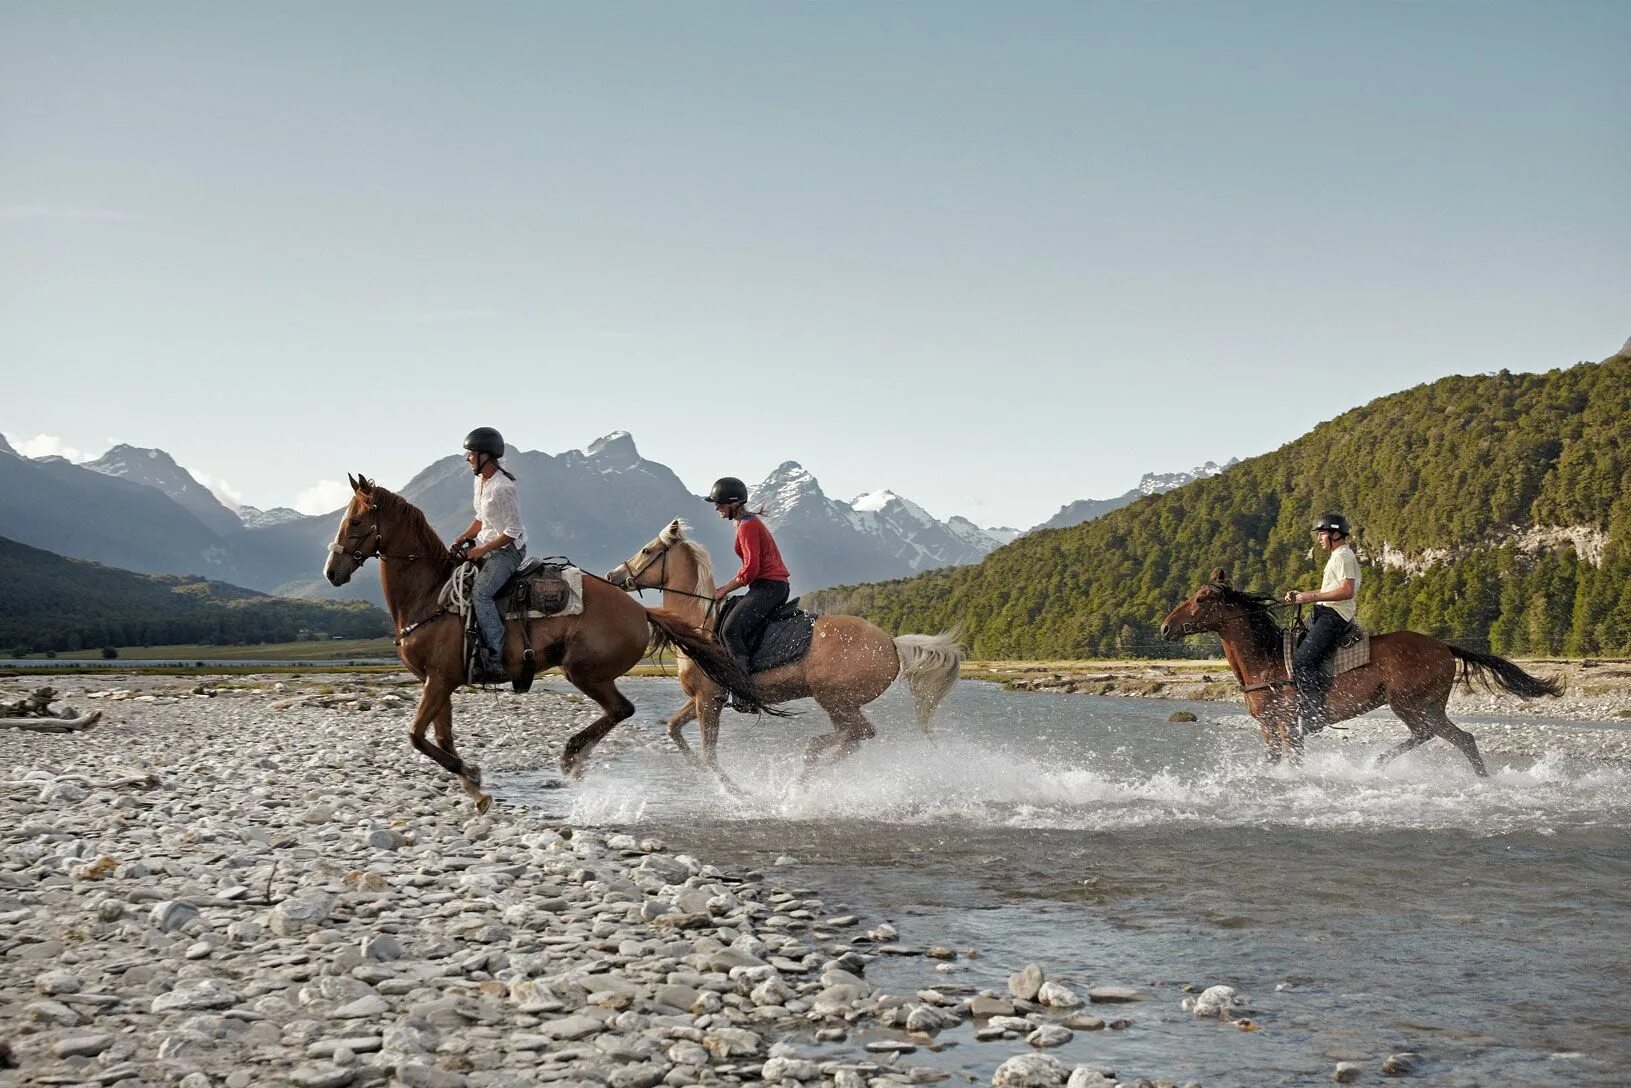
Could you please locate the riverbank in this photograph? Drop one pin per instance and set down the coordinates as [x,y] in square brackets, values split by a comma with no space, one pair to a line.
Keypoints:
[257,881]
[1593,690]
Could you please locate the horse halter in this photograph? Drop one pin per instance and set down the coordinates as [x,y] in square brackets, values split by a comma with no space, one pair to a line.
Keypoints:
[336,548]
[630,583]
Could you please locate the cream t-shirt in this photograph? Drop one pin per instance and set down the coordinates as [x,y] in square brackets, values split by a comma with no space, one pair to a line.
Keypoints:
[1342,565]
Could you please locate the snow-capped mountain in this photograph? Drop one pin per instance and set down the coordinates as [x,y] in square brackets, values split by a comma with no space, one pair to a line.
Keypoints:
[5,447]
[157,469]
[1151,483]
[255,518]
[876,536]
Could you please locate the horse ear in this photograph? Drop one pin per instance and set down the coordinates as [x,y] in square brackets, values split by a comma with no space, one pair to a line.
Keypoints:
[1219,576]
[676,529]
[352,480]
[366,486]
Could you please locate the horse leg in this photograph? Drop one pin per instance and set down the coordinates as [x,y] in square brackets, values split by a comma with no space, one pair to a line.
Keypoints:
[436,706]
[1444,727]
[469,774]
[686,714]
[614,706]
[1420,733]
[851,729]
[707,704]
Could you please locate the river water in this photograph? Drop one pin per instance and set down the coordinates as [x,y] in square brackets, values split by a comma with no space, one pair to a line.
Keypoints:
[1483,924]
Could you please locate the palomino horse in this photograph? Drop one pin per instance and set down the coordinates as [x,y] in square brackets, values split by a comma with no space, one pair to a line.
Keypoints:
[593,649]
[1412,673]
[850,663]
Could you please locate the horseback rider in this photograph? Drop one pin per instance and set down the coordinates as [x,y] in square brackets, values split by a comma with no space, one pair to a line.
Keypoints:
[496,539]
[763,572]
[1335,604]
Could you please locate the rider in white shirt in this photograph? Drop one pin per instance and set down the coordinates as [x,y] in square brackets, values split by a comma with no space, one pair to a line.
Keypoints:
[1335,605]
[499,543]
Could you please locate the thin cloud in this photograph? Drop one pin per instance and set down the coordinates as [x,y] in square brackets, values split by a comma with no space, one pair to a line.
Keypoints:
[229,496]
[49,445]
[322,497]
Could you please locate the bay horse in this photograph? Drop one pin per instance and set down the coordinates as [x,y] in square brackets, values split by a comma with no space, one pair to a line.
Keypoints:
[850,663]
[1411,672]
[593,649]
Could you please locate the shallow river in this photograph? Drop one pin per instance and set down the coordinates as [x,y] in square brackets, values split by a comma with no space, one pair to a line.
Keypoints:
[1484,925]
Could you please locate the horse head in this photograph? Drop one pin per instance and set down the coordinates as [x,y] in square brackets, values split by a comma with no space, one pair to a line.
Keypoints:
[648,567]
[359,538]
[1207,609]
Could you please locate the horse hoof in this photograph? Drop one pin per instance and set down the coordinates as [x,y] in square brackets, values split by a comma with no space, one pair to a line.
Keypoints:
[483,803]
[472,774]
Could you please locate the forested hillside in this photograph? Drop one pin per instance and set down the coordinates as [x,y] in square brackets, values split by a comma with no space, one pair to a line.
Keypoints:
[1492,510]
[48,602]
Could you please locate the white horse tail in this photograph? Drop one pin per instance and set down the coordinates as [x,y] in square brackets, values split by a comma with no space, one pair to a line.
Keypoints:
[930,665]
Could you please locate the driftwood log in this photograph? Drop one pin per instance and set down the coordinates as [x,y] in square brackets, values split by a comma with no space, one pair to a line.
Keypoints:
[34,713]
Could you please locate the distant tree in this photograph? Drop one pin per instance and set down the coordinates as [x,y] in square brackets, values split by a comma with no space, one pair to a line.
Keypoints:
[109,653]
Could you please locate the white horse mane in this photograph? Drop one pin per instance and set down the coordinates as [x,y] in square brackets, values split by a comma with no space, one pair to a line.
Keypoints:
[673,535]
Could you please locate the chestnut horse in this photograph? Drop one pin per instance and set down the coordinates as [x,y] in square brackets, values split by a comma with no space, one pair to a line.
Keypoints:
[1412,673]
[593,649]
[851,662]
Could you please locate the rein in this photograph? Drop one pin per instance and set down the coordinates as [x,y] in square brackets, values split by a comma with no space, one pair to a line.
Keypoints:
[662,584]
[356,553]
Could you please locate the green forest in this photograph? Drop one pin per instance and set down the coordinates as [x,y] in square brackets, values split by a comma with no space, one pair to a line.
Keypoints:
[1449,475]
[54,603]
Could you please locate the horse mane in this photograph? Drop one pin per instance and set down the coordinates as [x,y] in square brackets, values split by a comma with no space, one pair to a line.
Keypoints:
[705,565]
[410,519]
[1265,632]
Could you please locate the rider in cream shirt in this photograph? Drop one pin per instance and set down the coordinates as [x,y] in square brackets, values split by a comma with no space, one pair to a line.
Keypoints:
[499,543]
[1335,604]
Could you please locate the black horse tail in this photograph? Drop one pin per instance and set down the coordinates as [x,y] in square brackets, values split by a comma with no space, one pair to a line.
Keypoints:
[710,655]
[1489,668]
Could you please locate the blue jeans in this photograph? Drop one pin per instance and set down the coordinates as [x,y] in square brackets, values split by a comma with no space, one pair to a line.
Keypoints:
[1324,628]
[496,568]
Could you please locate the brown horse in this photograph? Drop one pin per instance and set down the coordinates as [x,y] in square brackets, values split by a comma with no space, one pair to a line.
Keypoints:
[851,662]
[593,649]
[1412,673]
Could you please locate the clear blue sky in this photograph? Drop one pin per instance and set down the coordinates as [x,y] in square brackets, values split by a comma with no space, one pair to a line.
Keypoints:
[993,256]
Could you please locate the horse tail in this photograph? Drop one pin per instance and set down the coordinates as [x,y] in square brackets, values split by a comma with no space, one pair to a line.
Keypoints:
[930,665]
[709,655]
[1489,668]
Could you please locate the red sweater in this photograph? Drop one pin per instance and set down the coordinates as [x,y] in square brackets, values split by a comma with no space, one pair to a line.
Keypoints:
[760,556]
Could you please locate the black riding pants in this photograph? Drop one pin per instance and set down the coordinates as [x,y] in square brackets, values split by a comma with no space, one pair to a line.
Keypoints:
[742,626]
[1325,627]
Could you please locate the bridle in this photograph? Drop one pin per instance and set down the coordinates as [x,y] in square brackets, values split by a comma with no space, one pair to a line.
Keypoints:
[1184,630]
[629,581]
[336,548]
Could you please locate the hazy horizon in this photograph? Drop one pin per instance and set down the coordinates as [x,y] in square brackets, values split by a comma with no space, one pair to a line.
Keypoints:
[993,259]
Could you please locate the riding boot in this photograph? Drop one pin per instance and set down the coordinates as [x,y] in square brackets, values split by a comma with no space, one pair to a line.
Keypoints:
[736,702]
[489,666]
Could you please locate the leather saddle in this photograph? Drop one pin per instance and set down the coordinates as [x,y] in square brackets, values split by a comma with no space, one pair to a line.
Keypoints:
[1352,648]
[784,638]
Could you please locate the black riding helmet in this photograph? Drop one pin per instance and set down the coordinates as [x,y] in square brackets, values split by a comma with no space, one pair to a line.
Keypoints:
[728,489]
[485,440]
[1334,523]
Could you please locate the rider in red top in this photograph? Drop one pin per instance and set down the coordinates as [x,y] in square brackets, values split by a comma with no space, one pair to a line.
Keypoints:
[763,572]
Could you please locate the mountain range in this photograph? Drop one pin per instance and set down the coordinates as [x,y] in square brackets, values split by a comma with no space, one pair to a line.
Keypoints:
[594,505]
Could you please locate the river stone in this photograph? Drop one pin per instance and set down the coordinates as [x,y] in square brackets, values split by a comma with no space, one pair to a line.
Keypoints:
[1049,1035]
[52,983]
[1026,983]
[293,917]
[925,1019]
[362,1008]
[1102,994]
[382,948]
[322,1076]
[677,997]
[985,1006]
[171,915]
[1011,1023]
[1083,1022]
[1087,1076]
[1401,1064]
[725,1043]
[727,958]
[52,1012]
[385,838]
[1215,1001]
[570,1027]
[1346,1072]
[204,993]
[419,1075]
[800,1069]
[1030,1071]
[1057,996]
[82,1046]
[639,1075]
[1181,716]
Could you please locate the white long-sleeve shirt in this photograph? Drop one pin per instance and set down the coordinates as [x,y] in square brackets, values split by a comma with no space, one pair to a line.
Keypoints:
[498,510]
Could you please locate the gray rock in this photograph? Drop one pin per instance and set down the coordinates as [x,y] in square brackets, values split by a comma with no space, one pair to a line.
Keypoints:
[82,1046]
[420,1075]
[1026,983]
[638,1075]
[1083,1022]
[1346,1072]
[570,1027]
[293,917]
[983,1006]
[52,983]
[382,948]
[1050,1035]
[925,1019]
[796,1069]
[204,993]
[171,915]
[1087,1076]
[52,1012]
[1107,994]
[1057,996]
[322,1076]
[1401,1064]
[1030,1071]
[362,1008]
[385,838]
[677,997]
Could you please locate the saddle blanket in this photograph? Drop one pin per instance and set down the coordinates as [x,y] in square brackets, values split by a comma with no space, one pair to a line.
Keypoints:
[785,638]
[1352,650]
[530,594]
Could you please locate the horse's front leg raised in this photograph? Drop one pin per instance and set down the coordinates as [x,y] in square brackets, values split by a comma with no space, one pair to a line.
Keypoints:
[682,717]
[436,705]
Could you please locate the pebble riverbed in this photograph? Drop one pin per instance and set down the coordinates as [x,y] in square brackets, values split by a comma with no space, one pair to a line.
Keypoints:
[257,881]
